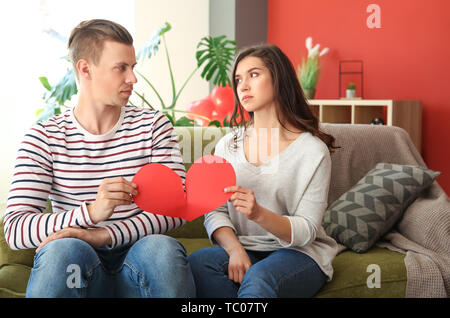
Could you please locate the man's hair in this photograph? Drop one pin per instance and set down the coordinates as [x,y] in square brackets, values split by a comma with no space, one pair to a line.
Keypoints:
[87,39]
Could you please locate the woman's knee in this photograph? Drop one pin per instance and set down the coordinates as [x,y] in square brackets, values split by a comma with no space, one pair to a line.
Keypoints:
[283,274]
[209,258]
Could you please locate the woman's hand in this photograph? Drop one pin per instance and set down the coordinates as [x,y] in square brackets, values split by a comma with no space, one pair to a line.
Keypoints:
[238,265]
[239,262]
[244,201]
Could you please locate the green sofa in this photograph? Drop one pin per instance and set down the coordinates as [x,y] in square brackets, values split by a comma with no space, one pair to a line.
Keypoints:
[351,272]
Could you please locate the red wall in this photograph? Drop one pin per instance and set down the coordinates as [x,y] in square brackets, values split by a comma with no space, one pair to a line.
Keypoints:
[407,58]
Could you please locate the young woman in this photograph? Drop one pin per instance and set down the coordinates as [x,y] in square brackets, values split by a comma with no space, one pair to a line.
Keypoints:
[269,234]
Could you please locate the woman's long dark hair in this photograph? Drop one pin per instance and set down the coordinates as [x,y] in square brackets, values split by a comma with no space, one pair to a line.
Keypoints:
[291,105]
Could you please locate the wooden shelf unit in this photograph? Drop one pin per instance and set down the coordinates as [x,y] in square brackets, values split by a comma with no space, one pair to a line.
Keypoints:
[406,114]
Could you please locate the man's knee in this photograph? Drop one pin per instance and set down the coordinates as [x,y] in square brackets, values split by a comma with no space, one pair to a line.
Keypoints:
[60,267]
[64,251]
[159,246]
[159,264]
[210,258]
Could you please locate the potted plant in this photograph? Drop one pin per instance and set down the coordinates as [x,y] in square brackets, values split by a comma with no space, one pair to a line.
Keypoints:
[214,54]
[350,92]
[308,72]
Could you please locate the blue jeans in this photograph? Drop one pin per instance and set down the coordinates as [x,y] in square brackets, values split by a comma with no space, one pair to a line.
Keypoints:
[154,266]
[281,273]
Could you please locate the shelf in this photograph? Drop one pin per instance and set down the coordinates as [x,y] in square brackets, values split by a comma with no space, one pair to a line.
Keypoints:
[336,114]
[406,114]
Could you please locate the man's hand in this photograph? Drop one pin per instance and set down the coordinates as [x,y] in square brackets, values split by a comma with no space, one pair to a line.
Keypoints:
[94,237]
[112,192]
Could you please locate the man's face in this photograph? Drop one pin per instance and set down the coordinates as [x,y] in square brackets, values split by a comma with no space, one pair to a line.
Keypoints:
[113,78]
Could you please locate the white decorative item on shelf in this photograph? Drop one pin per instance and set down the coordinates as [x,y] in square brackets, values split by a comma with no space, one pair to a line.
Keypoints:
[308,71]
[350,93]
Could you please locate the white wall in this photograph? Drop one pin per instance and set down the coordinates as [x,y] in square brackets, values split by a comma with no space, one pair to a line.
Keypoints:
[20,93]
[190,22]
[20,90]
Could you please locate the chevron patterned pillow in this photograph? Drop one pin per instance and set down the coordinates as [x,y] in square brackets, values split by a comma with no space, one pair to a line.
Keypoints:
[370,208]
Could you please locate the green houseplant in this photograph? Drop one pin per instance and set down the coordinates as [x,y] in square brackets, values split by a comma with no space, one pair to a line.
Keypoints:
[308,72]
[214,55]
[350,92]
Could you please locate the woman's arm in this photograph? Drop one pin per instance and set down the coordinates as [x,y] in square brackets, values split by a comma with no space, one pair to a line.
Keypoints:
[239,262]
[278,225]
[244,201]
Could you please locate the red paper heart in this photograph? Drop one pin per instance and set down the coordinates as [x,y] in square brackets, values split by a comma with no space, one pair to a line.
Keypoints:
[160,189]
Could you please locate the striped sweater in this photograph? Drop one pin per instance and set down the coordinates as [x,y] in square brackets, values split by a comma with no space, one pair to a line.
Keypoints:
[61,161]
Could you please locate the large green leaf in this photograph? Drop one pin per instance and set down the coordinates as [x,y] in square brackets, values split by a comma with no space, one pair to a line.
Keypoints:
[152,44]
[219,53]
[65,88]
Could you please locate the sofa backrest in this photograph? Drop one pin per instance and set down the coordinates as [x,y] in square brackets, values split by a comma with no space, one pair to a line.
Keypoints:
[361,148]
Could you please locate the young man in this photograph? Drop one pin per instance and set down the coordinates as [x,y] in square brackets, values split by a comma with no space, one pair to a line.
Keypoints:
[97,242]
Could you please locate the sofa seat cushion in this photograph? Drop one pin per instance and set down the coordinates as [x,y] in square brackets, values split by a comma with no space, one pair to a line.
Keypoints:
[351,275]
[350,272]
[14,280]
[9,256]
[349,279]
[193,244]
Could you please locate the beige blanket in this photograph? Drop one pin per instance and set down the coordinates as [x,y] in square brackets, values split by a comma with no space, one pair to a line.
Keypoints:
[423,233]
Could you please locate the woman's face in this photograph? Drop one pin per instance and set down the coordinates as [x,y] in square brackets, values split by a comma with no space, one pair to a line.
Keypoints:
[254,84]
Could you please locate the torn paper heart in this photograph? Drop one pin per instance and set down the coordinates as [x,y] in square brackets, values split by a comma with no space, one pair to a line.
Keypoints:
[160,189]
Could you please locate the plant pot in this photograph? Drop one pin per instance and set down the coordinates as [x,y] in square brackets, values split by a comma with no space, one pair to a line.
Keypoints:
[309,93]
[350,93]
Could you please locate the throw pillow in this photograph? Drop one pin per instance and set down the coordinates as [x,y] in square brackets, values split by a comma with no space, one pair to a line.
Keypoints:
[370,208]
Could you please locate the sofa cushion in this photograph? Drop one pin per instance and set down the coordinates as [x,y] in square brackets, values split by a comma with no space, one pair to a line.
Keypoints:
[352,271]
[193,244]
[193,229]
[13,280]
[9,256]
[370,208]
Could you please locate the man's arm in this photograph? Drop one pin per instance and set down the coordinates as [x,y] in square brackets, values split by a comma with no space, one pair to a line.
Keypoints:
[25,224]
